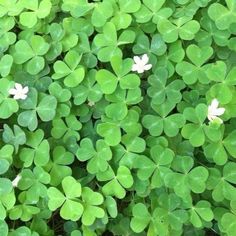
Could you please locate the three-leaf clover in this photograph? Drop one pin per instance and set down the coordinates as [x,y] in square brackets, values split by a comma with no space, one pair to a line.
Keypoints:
[69,69]
[8,106]
[108,81]
[68,200]
[31,52]
[36,105]
[97,159]
[108,43]
[155,167]
[191,72]
[37,149]
[117,183]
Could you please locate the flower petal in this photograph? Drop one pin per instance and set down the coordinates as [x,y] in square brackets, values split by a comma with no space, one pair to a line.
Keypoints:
[214,103]
[25,89]
[148,67]
[145,59]
[137,59]
[18,86]
[12,91]
[135,67]
[219,111]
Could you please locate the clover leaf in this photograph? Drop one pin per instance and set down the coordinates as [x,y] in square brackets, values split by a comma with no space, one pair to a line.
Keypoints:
[183,28]
[66,129]
[88,89]
[222,184]
[223,16]
[15,136]
[91,200]
[196,71]
[152,10]
[8,106]
[224,82]
[69,69]
[160,91]
[59,168]
[117,183]
[108,81]
[34,183]
[98,159]
[107,42]
[186,178]
[37,149]
[34,104]
[70,209]
[31,52]
[37,10]
[194,131]
[156,167]
[200,213]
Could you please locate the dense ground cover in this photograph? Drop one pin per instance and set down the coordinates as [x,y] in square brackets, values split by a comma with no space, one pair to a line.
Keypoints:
[117,117]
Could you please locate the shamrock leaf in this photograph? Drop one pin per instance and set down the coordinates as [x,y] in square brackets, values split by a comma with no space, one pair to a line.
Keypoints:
[169,124]
[156,167]
[88,89]
[223,16]
[98,159]
[43,106]
[91,200]
[117,183]
[141,218]
[122,19]
[5,158]
[37,11]
[7,200]
[160,91]
[107,42]
[224,82]
[37,150]
[220,150]
[8,106]
[7,38]
[170,205]
[34,183]
[59,168]
[196,71]
[31,52]
[222,185]
[76,9]
[69,69]
[200,213]
[152,10]
[15,137]
[184,28]
[5,65]
[108,81]
[194,131]
[66,129]
[186,178]
[63,96]
[71,209]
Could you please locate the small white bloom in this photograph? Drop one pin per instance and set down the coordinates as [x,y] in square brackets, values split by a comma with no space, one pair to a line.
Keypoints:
[141,64]
[214,111]
[90,103]
[19,92]
[16,181]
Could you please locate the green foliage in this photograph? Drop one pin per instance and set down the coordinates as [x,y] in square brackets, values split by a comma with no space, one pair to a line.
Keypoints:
[117,117]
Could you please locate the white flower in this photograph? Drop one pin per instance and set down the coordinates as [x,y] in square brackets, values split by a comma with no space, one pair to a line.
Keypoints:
[141,64]
[19,92]
[91,103]
[16,181]
[214,111]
